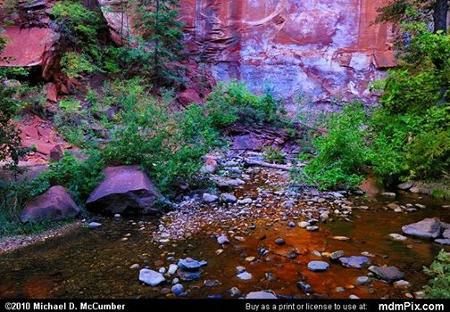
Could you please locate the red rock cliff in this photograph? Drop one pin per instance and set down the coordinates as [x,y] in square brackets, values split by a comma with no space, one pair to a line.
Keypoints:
[314,49]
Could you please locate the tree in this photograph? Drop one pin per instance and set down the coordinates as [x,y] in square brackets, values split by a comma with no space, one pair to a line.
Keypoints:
[10,143]
[162,32]
[400,11]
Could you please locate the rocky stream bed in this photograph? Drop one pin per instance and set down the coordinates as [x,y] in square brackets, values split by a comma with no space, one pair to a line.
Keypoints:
[256,237]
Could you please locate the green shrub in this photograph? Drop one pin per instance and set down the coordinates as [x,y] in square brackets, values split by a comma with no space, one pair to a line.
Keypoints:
[78,25]
[233,102]
[169,146]
[74,64]
[439,271]
[80,177]
[274,155]
[342,154]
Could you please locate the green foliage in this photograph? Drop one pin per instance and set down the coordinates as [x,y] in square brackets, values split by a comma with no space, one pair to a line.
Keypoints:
[160,42]
[74,64]
[274,155]
[342,154]
[423,79]
[81,30]
[80,177]
[411,131]
[233,102]
[168,146]
[78,25]
[439,271]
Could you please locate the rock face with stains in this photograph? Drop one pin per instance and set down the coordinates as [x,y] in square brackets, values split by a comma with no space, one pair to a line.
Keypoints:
[313,49]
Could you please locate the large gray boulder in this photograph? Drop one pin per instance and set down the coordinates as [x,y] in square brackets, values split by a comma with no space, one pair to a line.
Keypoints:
[125,189]
[427,228]
[55,204]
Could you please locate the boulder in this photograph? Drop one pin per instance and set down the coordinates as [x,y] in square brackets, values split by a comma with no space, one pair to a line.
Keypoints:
[387,273]
[427,228]
[125,189]
[54,204]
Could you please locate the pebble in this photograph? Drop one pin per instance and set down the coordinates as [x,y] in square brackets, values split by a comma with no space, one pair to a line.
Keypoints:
[228,198]
[279,241]
[211,283]
[362,280]
[172,269]
[312,228]
[240,269]
[305,287]
[402,284]
[250,259]
[397,237]
[117,216]
[234,292]
[134,266]
[151,277]
[356,262]
[318,266]
[339,289]
[335,255]
[303,224]
[245,276]
[94,225]
[245,201]
[210,198]
[260,295]
[223,239]
[177,289]
[190,264]
[353,297]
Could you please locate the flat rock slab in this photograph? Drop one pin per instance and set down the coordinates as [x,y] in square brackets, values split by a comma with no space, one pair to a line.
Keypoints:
[125,189]
[318,266]
[356,262]
[387,273]
[55,204]
[427,228]
[260,295]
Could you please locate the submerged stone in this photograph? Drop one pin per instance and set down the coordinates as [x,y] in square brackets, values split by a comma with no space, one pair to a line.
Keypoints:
[318,266]
[356,262]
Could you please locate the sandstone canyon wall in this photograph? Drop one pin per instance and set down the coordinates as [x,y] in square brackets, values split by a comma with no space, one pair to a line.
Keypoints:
[313,50]
[309,51]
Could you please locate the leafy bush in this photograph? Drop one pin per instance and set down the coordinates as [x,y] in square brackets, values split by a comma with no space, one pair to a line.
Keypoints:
[74,64]
[80,177]
[439,271]
[342,154]
[233,102]
[78,25]
[168,146]
[274,155]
